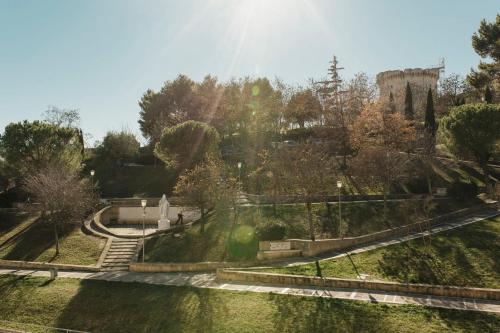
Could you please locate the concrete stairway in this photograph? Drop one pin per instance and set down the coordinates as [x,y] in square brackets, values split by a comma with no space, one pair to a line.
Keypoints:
[119,255]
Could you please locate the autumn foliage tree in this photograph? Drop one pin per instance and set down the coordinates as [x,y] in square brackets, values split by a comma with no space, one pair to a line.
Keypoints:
[380,138]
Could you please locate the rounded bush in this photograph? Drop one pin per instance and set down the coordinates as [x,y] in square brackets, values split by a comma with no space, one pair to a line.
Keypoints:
[272,230]
[462,191]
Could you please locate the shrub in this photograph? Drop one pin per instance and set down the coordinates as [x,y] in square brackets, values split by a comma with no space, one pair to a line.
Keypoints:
[462,191]
[271,230]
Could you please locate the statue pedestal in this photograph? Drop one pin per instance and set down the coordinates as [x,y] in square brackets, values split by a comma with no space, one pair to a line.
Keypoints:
[163,224]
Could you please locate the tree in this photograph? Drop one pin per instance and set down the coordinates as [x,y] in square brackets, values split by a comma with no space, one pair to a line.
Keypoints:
[117,147]
[63,196]
[408,110]
[187,144]
[31,146]
[62,117]
[379,138]
[172,105]
[199,186]
[473,130]
[430,120]
[453,89]
[429,139]
[485,43]
[488,95]
[303,107]
[306,172]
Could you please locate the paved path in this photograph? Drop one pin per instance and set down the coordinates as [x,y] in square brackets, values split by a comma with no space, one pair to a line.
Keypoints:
[207,280]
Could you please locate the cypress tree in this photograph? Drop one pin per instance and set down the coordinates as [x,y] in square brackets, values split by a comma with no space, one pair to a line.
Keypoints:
[409,113]
[488,95]
[430,120]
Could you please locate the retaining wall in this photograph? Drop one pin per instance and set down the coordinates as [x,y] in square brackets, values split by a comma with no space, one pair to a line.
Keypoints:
[311,248]
[185,266]
[45,265]
[300,280]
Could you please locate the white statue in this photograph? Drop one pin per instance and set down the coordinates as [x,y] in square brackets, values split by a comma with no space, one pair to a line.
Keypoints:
[164,206]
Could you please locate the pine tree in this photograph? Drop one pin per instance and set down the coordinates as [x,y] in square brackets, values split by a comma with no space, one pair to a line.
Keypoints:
[488,95]
[430,120]
[409,113]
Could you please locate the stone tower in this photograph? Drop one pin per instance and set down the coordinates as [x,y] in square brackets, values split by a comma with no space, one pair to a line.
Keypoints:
[420,81]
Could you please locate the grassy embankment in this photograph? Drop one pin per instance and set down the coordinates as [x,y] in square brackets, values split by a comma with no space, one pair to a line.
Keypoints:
[34,241]
[217,245]
[466,256]
[99,306]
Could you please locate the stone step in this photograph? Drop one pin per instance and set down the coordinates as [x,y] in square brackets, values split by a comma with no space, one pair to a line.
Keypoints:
[123,245]
[116,264]
[121,250]
[116,261]
[127,255]
[125,241]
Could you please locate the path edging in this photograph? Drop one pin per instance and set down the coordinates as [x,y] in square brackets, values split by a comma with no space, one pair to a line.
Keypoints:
[409,288]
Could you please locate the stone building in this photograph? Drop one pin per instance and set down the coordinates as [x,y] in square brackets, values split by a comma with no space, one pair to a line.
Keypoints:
[420,81]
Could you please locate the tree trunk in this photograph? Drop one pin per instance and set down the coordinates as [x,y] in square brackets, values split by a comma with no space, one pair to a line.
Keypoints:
[487,182]
[202,227]
[56,235]
[385,204]
[309,217]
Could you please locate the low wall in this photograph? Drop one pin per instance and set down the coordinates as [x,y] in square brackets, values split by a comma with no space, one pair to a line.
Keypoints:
[300,280]
[311,248]
[13,264]
[185,266]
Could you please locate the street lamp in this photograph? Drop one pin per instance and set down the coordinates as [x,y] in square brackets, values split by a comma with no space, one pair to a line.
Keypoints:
[239,175]
[144,202]
[92,173]
[339,186]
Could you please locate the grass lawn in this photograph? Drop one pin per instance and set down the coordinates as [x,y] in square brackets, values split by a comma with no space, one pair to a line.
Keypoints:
[36,243]
[465,256]
[99,306]
[12,221]
[214,244]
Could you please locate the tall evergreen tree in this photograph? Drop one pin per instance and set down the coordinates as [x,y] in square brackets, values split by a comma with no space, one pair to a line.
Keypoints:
[430,120]
[409,112]
[488,95]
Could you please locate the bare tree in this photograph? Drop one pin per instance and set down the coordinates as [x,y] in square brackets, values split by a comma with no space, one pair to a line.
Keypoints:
[305,171]
[380,137]
[65,198]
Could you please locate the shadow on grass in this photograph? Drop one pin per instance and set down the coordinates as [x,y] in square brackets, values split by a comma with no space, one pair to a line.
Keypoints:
[33,241]
[462,257]
[132,307]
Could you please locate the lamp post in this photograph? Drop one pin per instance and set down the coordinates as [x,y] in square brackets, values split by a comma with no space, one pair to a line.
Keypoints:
[339,186]
[239,176]
[92,173]
[144,202]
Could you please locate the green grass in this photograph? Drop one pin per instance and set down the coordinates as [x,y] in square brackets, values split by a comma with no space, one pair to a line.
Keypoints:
[99,306]
[13,221]
[36,243]
[216,244]
[465,256]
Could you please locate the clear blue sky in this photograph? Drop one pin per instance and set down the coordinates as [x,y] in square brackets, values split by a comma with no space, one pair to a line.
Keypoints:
[99,56]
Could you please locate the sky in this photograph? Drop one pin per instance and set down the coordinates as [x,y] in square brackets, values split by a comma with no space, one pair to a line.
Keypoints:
[100,56]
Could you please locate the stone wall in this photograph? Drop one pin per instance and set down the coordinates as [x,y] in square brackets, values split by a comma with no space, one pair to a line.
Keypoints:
[420,81]
[184,266]
[311,248]
[301,280]
[45,265]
